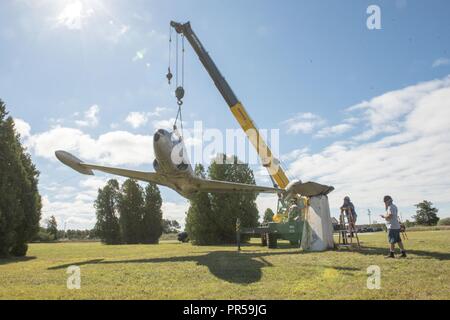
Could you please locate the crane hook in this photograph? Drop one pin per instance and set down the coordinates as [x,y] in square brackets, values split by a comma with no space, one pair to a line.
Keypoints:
[179,93]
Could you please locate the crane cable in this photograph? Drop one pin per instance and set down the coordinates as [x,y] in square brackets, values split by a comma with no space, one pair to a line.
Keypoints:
[169,75]
[179,91]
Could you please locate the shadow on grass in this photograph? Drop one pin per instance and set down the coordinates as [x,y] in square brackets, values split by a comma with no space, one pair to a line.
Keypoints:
[78,264]
[15,260]
[231,266]
[426,254]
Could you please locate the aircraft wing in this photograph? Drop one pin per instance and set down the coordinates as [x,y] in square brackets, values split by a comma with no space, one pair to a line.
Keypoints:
[216,186]
[86,168]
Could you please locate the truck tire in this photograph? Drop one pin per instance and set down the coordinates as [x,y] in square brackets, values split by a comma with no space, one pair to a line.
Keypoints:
[263,240]
[271,240]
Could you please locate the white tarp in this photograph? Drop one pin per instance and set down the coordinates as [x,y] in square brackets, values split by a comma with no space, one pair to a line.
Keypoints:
[318,229]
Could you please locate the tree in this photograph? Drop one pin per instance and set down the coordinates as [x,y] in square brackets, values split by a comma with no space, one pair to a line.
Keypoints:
[426,214]
[444,222]
[152,226]
[211,218]
[268,215]
[409,224]
[200,224]
[227,207]
[131,207]
[20,202]
[32,205]
[106,206]
[52,227]
[170,226]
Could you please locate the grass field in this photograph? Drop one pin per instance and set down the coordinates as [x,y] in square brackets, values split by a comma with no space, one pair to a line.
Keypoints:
[174,270]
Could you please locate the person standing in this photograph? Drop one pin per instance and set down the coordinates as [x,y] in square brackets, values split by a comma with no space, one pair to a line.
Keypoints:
[349,209]
[393,227]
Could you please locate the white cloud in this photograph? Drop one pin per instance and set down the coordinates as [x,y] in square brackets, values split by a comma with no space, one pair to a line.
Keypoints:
[137,119]
[410,163]
[294,154]
[90,117]
[77,214]
[304,123]
[352,120]
[175,211]
[333,130]
[261,175]
[90,185]
[22,127]
[441,62]
[164,124]
[73,204]
[264,201]
[112,148]
[385,114]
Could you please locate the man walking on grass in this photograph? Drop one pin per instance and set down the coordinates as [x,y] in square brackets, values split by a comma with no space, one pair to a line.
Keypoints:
[393,227]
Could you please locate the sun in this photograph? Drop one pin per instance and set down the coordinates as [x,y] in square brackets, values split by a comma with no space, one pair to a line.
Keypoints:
[74,14]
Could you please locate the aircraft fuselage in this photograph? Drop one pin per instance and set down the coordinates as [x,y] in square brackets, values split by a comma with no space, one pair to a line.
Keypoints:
[172,162]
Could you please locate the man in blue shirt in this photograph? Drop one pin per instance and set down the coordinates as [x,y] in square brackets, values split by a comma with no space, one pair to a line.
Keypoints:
[393,227]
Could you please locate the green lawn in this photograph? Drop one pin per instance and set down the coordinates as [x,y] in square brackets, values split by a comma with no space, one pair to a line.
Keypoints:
[174,270]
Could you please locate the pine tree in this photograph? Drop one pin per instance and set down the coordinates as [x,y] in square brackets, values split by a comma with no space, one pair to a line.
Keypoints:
[131,207]
[227,207]
[152,225]
[200,225]
[7,196]
[426,214]
[268,215]
[31,203]
[52,227]
[20,202]
[212,218]
[106,206]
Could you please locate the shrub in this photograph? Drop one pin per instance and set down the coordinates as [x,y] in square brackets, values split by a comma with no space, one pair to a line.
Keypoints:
[20,250]
[444,222]
[43,236]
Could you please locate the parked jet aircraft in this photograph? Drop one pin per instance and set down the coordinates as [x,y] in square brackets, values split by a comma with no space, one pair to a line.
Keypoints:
[173,172]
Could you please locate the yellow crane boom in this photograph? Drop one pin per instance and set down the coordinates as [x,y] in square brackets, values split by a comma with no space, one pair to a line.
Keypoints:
[272,164]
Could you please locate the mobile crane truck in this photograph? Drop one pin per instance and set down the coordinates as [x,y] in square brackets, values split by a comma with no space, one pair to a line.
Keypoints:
[314,231]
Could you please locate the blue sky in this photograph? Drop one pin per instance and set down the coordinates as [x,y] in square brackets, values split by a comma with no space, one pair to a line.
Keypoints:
[364,110]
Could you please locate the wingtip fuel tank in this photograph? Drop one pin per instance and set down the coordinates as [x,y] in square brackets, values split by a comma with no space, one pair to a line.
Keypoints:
[73,162]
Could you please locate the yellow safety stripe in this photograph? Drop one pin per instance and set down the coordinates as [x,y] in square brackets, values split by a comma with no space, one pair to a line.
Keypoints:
[260,145]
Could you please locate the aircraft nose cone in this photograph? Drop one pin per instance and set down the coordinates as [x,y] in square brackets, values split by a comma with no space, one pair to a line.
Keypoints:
[163,132]
[160,133]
